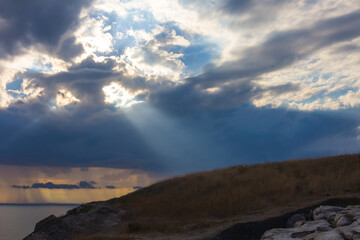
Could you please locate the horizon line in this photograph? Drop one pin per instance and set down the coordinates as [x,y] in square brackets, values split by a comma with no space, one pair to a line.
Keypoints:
[45,204]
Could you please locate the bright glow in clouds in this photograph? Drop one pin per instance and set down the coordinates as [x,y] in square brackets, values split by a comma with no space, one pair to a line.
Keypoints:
[31,60]
[64,98]
[151,54]
[118,95]
[151,39]
[94,37]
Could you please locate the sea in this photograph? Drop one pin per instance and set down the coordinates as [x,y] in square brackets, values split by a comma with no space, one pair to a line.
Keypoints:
[18,220]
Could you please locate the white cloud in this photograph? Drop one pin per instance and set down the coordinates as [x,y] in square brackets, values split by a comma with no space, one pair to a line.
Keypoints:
[211,24]
[327,77]
[94,37]
[138,18]
[110,6]
[351,99]
[118,95]
[32,59]
[150,56]
[31,90]
[119,35]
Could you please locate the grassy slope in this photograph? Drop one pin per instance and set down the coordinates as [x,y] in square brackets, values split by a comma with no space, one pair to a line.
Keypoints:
[235,191]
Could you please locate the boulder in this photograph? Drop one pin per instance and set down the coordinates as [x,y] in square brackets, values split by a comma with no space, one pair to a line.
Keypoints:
[330,223]
[294,219]
[327,213]
[334,234]
[342,219]
[308,228]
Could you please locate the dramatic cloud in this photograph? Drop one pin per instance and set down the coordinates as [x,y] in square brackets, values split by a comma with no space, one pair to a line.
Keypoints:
[25,23]
[174,86]
[232,83]
[78,140]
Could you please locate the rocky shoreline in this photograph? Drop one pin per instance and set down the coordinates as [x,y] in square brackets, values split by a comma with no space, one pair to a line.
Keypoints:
[329,220]
[255,230]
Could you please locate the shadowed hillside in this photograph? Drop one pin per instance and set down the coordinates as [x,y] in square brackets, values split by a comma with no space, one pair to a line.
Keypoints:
[238,190]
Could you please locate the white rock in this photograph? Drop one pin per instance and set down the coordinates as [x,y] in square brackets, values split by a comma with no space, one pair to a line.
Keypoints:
[331,223]
[326,212]
[296,232]
[329,235]
[342,219]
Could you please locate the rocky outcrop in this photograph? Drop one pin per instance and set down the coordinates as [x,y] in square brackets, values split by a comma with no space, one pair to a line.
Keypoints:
[325,223]
[85,219]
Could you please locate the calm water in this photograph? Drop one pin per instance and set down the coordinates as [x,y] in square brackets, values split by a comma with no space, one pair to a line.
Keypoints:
[18,221]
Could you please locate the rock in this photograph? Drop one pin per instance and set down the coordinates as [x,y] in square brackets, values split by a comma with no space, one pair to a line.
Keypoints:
[301,234]
[327,213]
[342,219]
[324,229]
[85,219]
[299,223]
[45,223]
[296,232]
[354,212]
[350,231]
[294,219]
[330,223]
[329,235]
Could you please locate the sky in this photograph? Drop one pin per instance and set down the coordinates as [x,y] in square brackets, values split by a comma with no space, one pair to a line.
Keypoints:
[139,90]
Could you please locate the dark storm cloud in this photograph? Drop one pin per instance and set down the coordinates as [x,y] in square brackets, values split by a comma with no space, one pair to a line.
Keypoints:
[262,11]
[50,185]
[260,134]
[80,139]
[246,134]
[236,6]
[253,135]
[240,13]
[20,187]
[69,49]
[24,23]
[88,133]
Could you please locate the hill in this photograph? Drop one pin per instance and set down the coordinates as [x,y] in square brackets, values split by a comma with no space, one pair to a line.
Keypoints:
[216,199]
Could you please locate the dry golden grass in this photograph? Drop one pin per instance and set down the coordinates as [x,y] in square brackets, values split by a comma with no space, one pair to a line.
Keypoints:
[237,190]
